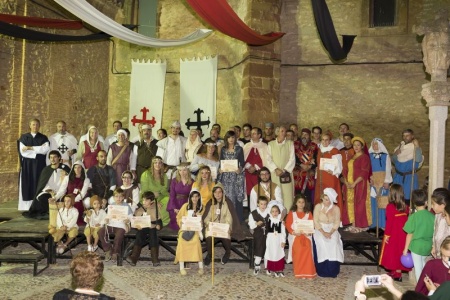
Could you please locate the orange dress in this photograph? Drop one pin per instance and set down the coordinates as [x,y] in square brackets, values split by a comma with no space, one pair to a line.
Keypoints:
[302,250]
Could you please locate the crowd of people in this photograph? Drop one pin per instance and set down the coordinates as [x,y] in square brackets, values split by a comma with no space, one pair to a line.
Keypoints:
[288,185]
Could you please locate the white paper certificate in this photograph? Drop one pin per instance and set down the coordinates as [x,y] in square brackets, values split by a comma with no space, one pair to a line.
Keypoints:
[220,230]
[191,223]
[229,165]
[328,164]
[306,226]
[117,212]
[141,222]
[213,172]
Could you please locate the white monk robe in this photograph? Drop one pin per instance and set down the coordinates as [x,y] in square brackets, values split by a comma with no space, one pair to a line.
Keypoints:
[63,143]
[282,156]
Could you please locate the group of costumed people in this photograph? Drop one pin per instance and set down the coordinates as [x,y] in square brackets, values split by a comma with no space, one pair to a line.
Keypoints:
[344,186]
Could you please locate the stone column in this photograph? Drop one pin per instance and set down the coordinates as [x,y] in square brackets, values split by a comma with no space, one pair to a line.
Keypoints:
[436,52]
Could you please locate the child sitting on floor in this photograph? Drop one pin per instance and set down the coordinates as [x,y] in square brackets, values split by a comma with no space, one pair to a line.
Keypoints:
[66,223]
[95,218]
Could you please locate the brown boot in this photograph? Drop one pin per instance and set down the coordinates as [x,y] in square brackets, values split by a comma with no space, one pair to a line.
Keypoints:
[134,256]
[154,251]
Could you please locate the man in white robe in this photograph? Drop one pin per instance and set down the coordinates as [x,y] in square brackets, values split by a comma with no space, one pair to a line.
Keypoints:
[281,162]
[64,142]
[172,148]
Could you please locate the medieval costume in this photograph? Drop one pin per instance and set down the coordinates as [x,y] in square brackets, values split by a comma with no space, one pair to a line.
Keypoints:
[328,252]
[148,183]
[255,155]
[358,197]
[394,238]
[326,180]
[403,163]
[32,162]
[381,174]
[281,156]
[300,247]
[64,143]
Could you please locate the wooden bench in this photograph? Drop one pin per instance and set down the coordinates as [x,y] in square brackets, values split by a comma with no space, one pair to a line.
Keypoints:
[43,242]
[168,239]
[24,258]
[360,242]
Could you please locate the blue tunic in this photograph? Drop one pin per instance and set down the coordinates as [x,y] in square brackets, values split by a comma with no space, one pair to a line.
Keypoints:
[378,162]
[403,178]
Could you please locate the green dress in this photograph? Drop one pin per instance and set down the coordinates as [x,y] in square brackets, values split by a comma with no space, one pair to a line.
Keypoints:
[148,183]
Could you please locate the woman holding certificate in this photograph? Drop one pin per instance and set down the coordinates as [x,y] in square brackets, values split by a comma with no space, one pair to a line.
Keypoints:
[300,240]
[231,176]
[329,161]
[328,244]
[190,249]
[357,186]
[220,213]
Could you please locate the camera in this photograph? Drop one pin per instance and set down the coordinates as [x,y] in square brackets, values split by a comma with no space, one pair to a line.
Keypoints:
[373,280]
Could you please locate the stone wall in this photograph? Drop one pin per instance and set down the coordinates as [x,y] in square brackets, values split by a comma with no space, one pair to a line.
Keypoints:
[50,81]
[248,77]
[377,90]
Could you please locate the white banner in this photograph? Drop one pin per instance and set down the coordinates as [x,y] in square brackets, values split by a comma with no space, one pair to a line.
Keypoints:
[146,94]
[198,84]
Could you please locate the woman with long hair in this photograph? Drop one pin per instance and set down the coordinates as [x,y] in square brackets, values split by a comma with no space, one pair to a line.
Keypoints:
[207,156]
[180,187]
[155,180]
[233,181]
[394,236]
[190,250]
[204,183]
[300,243]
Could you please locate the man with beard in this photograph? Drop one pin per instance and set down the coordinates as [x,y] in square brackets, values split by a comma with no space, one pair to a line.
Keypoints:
[145,150]
[407,159]
[266,188]
[48,185]
[103,180]
[255,154]
[63,142]
[305,164]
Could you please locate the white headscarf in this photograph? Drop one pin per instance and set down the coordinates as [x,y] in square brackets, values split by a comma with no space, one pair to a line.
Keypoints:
[332,195]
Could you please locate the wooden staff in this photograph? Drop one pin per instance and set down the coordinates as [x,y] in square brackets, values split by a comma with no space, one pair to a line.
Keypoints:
[212,242]
[412,177]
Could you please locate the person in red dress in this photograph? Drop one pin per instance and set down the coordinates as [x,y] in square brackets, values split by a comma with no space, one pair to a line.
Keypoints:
[356,188]
[394,236]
